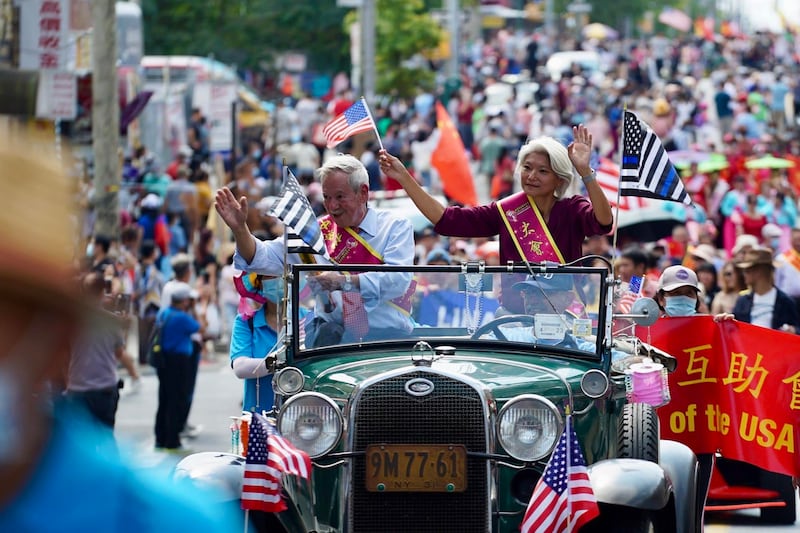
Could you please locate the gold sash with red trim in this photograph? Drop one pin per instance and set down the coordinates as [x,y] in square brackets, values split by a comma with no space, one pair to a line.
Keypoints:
[528,230]
[347,247]
[792,257]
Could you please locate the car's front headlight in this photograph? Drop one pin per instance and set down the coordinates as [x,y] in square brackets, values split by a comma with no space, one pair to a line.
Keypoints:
[312,422]
[528,427]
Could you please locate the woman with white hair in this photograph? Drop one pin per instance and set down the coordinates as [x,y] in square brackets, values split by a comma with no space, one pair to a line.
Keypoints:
[536,224]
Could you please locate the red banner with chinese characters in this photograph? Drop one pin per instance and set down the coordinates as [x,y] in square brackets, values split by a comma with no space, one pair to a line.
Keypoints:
[736,389]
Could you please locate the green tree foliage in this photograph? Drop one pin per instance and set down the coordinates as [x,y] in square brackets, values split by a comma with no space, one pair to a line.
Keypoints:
[404,31]
[249,33]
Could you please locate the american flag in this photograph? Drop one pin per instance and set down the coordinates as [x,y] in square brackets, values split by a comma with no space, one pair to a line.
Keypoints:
[563,499]
[269,456]
[633,293]
[294,209]
[646,168]
[355,119]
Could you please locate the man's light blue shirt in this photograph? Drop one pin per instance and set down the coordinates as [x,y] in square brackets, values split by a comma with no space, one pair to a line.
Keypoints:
[391,237]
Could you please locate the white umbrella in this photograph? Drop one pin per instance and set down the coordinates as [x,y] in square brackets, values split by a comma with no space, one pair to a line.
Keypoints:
[675,18]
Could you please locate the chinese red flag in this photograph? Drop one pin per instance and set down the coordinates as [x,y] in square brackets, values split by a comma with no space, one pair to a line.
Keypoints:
[450,160]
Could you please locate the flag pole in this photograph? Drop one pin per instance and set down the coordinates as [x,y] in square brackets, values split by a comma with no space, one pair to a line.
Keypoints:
[621,150]
[374,125]
[569,466]
[282,316]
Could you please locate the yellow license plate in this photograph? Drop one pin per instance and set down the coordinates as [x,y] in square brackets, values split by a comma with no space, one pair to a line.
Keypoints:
[416,468]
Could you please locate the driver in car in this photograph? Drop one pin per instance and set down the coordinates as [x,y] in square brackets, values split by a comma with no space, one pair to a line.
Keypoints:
[553,316]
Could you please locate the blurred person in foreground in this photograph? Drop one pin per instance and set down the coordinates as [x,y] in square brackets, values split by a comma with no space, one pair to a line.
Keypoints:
[53,454]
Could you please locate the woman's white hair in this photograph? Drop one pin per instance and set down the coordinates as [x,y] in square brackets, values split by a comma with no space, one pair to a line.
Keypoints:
[559,160]
[346,163]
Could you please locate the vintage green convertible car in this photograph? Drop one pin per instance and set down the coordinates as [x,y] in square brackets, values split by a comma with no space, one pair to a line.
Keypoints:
[447,422]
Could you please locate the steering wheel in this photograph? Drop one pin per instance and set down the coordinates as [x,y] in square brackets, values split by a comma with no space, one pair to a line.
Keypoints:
[494,326]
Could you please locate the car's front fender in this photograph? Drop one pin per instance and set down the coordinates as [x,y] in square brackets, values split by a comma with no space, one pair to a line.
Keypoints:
[680,464]
[630,482]
[223,474]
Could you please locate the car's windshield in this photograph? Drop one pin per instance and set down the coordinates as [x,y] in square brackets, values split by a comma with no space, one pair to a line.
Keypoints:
[559,307]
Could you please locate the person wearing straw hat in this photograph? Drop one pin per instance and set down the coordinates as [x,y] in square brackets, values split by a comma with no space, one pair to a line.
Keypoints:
[59,468]
[763,304]
[365,305]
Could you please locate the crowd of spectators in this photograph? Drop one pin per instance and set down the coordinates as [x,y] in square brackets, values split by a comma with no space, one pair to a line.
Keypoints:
[716,104]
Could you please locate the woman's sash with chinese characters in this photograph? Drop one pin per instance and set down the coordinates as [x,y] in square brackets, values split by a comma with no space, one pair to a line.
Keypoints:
[347,247]
[528,230]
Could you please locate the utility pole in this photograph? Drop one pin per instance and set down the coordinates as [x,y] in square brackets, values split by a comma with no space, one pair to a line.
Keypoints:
[105,117]
[368,50]
[453,27]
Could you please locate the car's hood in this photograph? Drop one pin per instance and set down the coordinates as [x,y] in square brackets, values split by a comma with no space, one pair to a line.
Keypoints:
[505,376]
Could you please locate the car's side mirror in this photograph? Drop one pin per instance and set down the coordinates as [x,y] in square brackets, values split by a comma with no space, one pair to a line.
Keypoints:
[644,312]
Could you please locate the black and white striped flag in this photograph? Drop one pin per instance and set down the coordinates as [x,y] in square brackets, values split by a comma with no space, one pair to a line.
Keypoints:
[294,210]
[646,168]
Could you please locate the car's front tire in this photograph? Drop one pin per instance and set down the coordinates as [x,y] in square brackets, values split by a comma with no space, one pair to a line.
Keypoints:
[638,432]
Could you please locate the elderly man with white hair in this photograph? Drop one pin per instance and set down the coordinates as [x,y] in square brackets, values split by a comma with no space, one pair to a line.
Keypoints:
[354,233]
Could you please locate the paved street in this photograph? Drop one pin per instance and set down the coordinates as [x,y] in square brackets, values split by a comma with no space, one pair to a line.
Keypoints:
[217,396]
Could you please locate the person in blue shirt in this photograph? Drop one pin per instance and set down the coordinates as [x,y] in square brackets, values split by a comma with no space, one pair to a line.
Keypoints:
[254,336]
[175,375]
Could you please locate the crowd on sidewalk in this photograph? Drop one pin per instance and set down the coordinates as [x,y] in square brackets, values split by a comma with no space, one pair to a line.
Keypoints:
[717,105]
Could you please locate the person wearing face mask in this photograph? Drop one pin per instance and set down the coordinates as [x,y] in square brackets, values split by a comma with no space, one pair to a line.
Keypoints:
[254,336]
[678,292]
[679,296]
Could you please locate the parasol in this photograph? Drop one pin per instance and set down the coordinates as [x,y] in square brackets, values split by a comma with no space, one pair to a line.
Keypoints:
[675,18]
[713,163]
[769,161]
[599,31]
[684,158]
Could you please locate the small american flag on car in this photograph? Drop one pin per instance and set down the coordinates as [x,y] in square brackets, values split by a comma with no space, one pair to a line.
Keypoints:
[269,457]
[633,293]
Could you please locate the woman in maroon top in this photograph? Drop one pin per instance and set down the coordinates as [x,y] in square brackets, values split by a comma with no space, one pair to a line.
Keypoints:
[546,169]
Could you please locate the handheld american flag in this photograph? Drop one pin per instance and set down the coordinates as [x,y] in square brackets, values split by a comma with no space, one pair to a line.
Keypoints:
[646,168]
[294,210]
[269,456]
[563,499]
[633,293]
[355,119]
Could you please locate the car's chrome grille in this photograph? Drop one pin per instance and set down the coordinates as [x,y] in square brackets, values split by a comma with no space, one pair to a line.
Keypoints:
[451,414]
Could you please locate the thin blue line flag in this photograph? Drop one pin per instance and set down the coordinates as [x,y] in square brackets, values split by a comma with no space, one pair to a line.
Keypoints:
[646,168]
